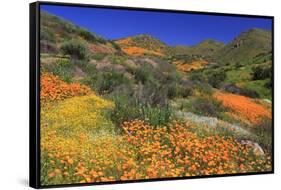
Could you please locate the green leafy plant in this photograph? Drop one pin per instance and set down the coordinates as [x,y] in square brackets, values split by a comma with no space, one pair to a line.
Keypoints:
[75,48]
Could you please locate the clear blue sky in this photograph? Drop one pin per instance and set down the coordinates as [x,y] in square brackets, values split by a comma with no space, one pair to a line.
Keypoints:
[171,28]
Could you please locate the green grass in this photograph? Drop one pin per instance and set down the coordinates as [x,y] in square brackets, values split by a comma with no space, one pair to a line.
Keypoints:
[238,75]
[259,87]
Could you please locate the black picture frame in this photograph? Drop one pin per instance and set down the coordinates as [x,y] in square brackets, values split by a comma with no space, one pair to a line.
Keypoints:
[34,92]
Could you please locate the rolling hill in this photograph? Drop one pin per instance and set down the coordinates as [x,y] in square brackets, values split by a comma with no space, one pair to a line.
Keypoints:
[206,48]
[143,45]
[246,46]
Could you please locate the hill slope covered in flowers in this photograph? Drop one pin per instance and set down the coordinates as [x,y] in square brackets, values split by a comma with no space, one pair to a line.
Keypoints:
[136,108]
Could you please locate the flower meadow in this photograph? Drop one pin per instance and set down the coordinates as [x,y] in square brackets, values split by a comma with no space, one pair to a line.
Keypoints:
[137,108]
[80,144]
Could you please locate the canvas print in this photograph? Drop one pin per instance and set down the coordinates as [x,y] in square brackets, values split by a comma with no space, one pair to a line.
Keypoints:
[140,95]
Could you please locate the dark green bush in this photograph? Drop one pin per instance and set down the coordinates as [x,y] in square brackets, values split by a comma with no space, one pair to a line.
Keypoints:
[232,88]
[268,84]
[261,72]
[249,92]
[216,78]
[75,48]
[90,36]
[106,82]
[197,77]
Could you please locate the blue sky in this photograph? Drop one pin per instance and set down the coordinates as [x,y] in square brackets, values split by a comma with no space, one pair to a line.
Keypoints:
[171,28]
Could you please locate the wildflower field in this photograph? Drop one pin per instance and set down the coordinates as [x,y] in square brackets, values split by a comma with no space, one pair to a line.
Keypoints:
[136,108]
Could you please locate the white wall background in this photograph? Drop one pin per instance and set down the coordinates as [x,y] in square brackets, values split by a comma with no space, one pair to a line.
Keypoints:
[14,53]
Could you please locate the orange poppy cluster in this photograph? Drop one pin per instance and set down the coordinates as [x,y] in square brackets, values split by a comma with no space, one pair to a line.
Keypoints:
[246,108]
[186,67]
[52,88]
[146,152]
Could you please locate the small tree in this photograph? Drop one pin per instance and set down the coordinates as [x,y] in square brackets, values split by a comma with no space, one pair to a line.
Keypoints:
[76,49]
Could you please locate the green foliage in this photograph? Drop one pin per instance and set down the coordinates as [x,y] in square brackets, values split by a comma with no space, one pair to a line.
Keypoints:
[205,106]
[197,77]
[216,78]
[89,69]
[144,74]
[263,132]
[115,45]
[46,34]
[261,72]
[129,108]
[247,45]
[260,86]
[97,56]
[106,82]
[118,60]
[75,48]
[249,92]
[62,67]
[179,91]
[90,37]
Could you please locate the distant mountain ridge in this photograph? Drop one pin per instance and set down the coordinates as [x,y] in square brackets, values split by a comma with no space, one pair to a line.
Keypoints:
[246,45]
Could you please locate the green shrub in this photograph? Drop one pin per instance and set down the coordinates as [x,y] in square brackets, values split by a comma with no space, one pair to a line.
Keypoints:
[249,92]
[115,45]
[89,69]
[152,93]
[144,74]
[75,48]
[62,67]
[263,132]
[124,110]
[90,36]
[205,106]
[118,60]
[129,108]
[176,90]
[216,78]
[197,77]
[47,35]
[268,84]
[156,115]
[106,82]
[261,72]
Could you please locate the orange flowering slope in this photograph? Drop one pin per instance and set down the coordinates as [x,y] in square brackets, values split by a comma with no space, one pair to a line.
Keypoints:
[138,51]
[186,67]
[246,108]
[52,88]
[175,151]
[145,152]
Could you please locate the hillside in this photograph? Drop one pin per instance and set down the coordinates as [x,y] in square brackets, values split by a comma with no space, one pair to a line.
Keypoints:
[206,48]
[136,108]
[55,31]
[245,46]
[143,45]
